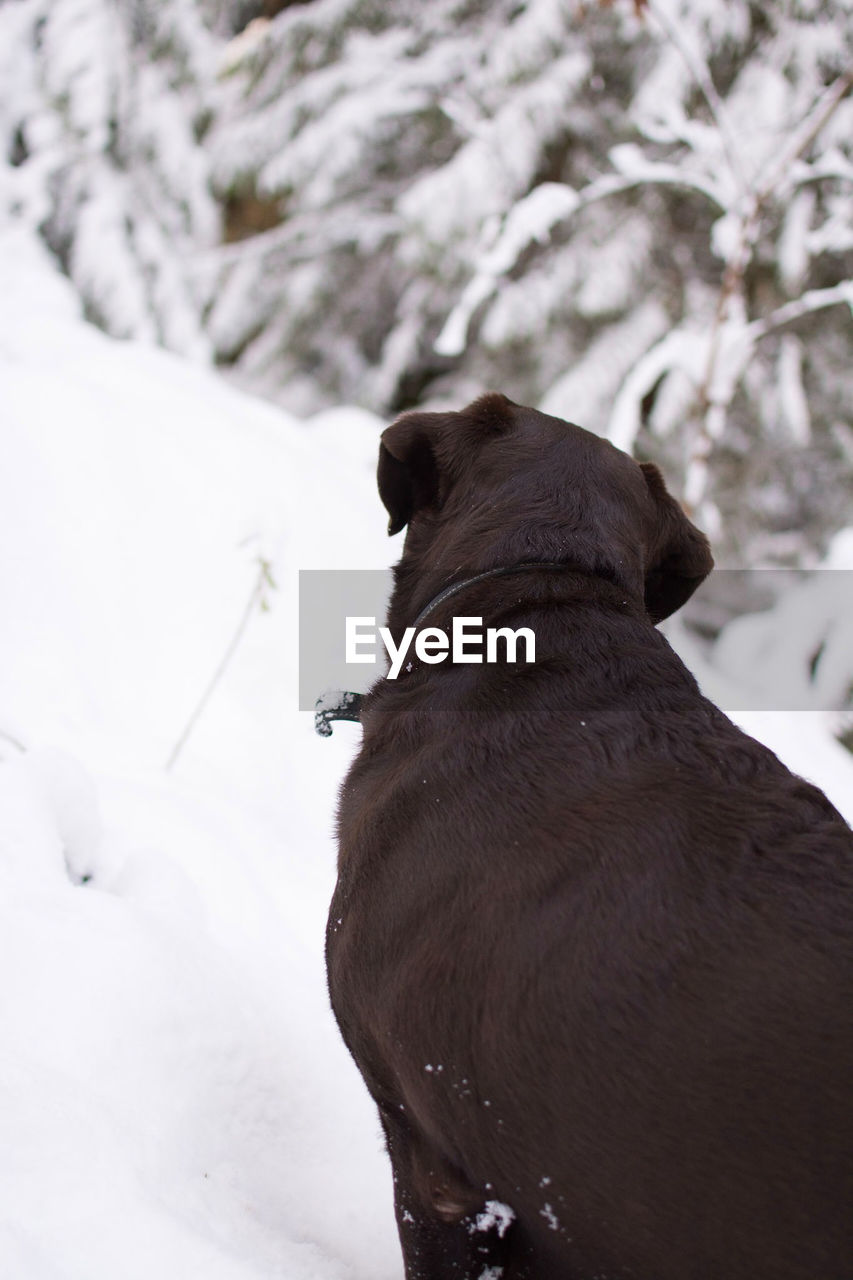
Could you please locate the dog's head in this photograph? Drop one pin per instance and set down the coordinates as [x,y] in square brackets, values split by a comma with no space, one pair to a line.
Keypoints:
[497,484]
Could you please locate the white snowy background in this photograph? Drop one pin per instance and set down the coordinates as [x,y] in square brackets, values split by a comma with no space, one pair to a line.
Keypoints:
[174,1097]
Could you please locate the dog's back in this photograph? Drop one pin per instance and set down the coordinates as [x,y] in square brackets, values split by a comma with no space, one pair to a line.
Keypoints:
[591,948]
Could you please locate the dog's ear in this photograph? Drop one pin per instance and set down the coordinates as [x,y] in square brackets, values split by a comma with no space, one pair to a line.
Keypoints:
[680,557]
[421,454]
[408,473]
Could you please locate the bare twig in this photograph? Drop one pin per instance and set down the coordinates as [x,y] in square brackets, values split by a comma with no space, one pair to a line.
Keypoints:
[640,6]
[710,410]
[808,129]
[263,580]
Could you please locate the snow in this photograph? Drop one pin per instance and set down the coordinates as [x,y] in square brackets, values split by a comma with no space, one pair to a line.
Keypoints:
[547,1212]
[494,167]
[495,1216]
[177,1100]
[531,219]
[679,350]
[793,404]
[794,241]
[586,392]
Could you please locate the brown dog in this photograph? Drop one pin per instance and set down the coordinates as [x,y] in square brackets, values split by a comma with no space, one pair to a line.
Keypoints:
[590,945]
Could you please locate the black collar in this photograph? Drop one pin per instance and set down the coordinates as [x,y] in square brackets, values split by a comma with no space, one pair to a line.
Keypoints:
[480,577]
[344,705]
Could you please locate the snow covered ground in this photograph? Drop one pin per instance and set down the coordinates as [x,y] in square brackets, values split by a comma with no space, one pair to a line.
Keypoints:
[175,1098]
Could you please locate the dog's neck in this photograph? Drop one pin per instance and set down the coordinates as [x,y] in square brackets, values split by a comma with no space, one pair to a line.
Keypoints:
[571,578]
[342,705]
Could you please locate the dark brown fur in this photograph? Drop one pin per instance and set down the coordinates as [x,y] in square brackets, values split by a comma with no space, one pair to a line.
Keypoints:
[590,944]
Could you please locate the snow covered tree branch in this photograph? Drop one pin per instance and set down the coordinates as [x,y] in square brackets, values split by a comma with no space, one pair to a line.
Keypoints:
[593,207]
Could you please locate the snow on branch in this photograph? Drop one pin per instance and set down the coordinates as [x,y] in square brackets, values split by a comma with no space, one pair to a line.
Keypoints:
[701,74]
[534,219]
[679,349]
[804,135]
[812,300]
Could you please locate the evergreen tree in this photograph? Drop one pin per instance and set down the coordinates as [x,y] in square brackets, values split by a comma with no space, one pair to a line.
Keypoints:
[639,221]
[635,215]
[102,115]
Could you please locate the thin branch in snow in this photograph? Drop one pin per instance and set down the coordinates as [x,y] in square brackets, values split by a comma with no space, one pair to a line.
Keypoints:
[15,742]
[263,580]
